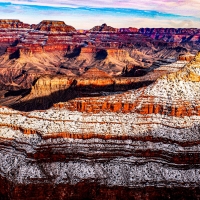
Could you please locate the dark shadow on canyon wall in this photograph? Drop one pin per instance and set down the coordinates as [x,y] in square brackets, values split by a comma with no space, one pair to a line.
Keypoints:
[15,55]
[101,55]
[92,191]
[22,92]
[135,71]
[76,52]
[74,91]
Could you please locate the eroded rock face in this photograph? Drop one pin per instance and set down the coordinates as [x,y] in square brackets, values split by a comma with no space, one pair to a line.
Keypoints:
[54,26]
[134,141]
[161,97]
[172,34]
[186,57]
[94,72]
[103,27]
[13,23]
[51,48]
[49,90]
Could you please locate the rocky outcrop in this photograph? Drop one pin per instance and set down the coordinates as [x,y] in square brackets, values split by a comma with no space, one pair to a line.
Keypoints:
[94,72]
[103,28]
[186,57]
[54,26]
[181,35]
[20,69]
[56,47]
[48,90]
[166,93]
[78,52]
[13,23]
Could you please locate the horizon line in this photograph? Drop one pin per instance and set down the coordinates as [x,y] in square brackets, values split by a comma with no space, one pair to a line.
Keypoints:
[95,25]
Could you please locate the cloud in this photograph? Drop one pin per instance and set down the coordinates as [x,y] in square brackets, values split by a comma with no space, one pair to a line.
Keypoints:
[182,7]
[11,9]
[184,23]
[6,10]
[144,13]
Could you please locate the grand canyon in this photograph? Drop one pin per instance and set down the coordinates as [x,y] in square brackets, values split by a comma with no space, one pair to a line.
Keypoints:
[105,113]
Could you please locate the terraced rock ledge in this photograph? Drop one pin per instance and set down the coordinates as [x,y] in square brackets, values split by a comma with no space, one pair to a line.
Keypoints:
[141,144]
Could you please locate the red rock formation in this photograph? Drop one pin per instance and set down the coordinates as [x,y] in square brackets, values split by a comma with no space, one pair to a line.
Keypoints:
[129,30]
[172,35]
[95,105]
[110,52]
[89,49]
[30,49]
[103,28]
[146,104]
[13,23]
[113,147]
[56,47]
[121,145]
[54,26]
[11,50]
[186,57]
[94,72]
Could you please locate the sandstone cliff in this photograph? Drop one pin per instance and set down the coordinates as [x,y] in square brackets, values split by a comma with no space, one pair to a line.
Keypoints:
[13,23]
[62,52]
[103,27]
[133,143]
[54,26]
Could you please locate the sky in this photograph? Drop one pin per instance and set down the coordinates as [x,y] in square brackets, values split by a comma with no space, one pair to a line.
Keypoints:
[84,14]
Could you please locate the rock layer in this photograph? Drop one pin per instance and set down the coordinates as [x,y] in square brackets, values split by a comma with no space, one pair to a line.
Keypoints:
[13,23]
[54,26]
[99,135]
[52,47]
[103,27]
[141,151]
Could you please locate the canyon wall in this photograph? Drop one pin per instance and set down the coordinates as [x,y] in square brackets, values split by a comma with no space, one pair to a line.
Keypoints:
[100,114]
[13,23]
[141,143]
[52,47]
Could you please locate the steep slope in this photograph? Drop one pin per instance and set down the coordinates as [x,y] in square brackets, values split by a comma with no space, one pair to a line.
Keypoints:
[141,143]
[52,47]
[50,89]
[94,72]
[173,94]
[110,60]
[20,72]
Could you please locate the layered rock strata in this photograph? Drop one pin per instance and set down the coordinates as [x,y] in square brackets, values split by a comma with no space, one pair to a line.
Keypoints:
[48,90]
[175,94]
[52,47]
[102,28]
[141,152]
[54,26]
[13,23]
